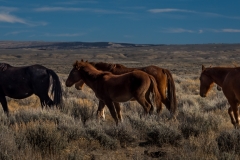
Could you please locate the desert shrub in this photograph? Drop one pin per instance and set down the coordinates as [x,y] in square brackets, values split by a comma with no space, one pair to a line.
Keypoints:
[83,112]
[105,140]
[125,135]
[162,134]
[72,131]
[78,155]
[228,156]
[196,123]
[229,141]
[187,100]
[217,102]
[26,116]
[137,122]
[44,137]
[7,143]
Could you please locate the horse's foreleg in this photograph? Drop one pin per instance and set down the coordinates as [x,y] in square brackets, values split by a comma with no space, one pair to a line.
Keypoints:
[112,110]
[100,111]
[118,110]
[4,104]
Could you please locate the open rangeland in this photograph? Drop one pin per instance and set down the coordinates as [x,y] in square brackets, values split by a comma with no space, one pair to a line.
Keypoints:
[202,129]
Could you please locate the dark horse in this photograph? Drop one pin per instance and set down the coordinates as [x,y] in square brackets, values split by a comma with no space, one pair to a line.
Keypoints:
[163,77]
[228,79]
[111,89]
[22,82]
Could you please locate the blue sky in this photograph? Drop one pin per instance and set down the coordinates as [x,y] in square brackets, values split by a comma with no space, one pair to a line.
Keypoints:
[125,21]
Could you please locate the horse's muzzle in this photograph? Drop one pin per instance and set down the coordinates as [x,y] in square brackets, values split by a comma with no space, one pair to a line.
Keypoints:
[203,95]
[68,84]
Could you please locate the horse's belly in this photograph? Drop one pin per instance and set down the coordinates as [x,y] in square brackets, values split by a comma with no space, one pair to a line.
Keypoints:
[122,97]
[17,92]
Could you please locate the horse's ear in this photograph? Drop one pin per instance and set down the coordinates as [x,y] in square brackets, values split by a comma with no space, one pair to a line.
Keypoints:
[75,64]
[81,60]
[86,60]
[78,66]
[203,67]
[210,66]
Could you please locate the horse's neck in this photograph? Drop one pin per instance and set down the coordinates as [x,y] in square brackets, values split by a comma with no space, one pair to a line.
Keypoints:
[89,75]
[218,74]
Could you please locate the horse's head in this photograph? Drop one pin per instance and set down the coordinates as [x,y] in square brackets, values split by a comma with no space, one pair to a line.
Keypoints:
[206,82]
[74,75]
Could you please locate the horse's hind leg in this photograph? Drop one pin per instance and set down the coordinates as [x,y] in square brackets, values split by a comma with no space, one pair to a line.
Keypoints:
[45,100]
[100,111]
[118,110]
[112,110]
[144,103]
[230,112]
[147,96]
[233,110]
[4,104]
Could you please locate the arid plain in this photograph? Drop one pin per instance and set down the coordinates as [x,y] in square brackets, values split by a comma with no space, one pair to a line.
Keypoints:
[199,133]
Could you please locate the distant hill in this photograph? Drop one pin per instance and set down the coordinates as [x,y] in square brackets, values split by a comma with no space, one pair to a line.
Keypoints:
[64,45]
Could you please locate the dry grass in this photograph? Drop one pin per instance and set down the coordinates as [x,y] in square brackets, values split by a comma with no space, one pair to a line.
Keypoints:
[74,132]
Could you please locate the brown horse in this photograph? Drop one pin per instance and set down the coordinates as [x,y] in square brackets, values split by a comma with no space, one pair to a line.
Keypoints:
[163,77]
[228,79]
[111,89]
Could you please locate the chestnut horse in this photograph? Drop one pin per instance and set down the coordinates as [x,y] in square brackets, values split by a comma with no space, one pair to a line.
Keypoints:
[163,77]
[228,79]
[22,82]
[111,89]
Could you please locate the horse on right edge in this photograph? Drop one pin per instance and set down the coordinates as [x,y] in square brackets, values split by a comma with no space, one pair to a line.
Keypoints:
[228,79]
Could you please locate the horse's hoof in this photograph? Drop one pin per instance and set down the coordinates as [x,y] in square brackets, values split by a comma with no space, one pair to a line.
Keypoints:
[236,126]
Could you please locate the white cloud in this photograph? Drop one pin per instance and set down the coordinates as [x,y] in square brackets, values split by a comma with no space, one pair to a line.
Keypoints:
[227,30]
[208,14]
[16,32]
[231,30]
[72,9]
[200,31]
[76,2]
[5,17]
[7,9]
[168,10]
[64,35]
[53,9]
[177,30]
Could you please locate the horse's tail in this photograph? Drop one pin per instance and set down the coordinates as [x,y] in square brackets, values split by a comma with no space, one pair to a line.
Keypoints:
[56,88]
[157,97]
[171,94]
